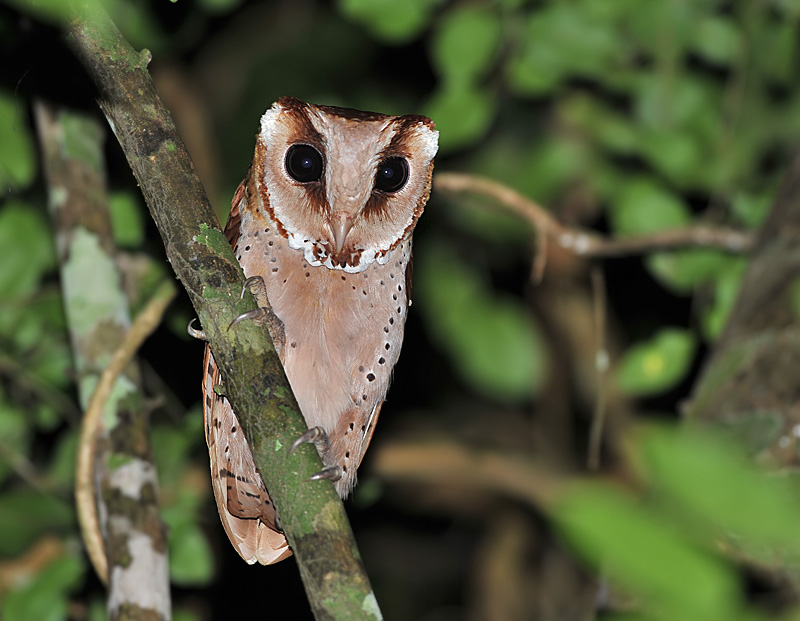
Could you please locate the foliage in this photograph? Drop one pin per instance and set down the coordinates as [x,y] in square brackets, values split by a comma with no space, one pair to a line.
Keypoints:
[626,116]
[665,543]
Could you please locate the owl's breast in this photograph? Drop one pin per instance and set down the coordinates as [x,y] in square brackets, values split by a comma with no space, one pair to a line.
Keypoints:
[343,331]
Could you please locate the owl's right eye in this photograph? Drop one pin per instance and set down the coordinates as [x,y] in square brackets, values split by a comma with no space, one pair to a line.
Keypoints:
[304,163]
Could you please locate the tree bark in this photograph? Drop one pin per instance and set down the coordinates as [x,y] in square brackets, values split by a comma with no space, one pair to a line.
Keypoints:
[750,385]
[311,513]
[131,555]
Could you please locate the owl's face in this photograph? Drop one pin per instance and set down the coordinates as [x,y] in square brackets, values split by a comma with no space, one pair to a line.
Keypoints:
[345,186]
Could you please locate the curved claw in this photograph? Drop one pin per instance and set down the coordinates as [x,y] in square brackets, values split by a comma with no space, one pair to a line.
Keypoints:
[252,280]
[194,332]
[256,313]
[332,473]
[314,435]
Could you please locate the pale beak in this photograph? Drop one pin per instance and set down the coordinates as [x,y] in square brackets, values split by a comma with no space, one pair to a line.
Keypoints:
[340,227]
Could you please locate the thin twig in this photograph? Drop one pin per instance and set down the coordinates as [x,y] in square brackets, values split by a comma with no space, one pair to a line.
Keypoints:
[601,369]
[452,464]
[147,321]
[588,244]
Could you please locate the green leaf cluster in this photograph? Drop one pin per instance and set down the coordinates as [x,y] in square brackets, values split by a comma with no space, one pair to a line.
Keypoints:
[658,114]
[700,498]
[491,340]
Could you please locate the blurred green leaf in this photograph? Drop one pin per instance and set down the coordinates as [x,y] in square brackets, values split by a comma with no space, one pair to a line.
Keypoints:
[682,270]
[220,6]
[678,155]
[465,43]
[725,289]
[61,470]
[17,157]
[691,102]
[190,559]
[26,515]
[656,365]
[186,614]
[138,24]
[490,339]
[15,433]
[487,221]
[127,220]
[751,209]
[643,206]
[172,445]
[97,610]
[394,22]
[612,130]
[760,511]
[46,596]
[51,364]
[462,115]
[660,31]
[561,40]
[717,39]
[539,169]
[776,42]
[53,11]
[26,248]
[645,554]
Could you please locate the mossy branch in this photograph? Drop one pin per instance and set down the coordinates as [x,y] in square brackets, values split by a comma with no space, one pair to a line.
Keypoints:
[311,513]
[749,384]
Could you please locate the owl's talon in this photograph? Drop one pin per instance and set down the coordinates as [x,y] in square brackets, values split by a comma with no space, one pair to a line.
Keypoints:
[316,436]
[250,282]
[331,473]
[256,313]
[194,332]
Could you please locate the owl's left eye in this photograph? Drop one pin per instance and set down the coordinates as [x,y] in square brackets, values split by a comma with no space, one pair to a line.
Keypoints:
[304,163]
[392,174]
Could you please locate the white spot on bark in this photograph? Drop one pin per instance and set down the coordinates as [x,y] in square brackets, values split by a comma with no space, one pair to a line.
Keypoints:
[129,581]
[130,477]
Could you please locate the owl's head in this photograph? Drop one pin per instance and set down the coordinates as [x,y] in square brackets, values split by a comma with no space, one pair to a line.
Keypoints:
[344,186]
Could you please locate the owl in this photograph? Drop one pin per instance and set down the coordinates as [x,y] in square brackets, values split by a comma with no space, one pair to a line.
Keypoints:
[322,227]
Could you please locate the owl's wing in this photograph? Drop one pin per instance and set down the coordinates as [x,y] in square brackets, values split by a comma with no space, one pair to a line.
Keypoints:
[233,225]
[244,505]
[373,417]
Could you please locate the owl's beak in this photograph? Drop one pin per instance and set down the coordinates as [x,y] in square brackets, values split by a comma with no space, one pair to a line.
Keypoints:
[340,227]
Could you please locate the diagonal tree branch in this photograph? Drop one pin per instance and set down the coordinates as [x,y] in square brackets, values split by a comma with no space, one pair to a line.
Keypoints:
[311,513]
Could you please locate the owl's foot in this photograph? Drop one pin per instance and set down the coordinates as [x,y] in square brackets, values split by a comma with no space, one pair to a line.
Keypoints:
[194,332]
[256,313]
[263,313]
[257,288]
[259,291]
[332,473]
[318,437]
[315,436]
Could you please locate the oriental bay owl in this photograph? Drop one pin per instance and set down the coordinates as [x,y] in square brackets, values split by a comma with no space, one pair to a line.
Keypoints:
[325,218]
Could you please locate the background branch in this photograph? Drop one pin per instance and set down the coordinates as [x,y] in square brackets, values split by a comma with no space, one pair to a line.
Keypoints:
[587,244]
[116,487]
[749,381]
[312,515]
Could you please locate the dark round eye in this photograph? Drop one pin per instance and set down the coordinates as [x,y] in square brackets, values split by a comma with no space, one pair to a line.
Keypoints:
[304,163]
[392,174]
